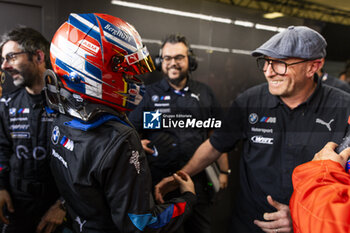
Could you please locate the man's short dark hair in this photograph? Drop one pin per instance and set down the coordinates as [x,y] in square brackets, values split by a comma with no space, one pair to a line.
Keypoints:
[175,38]
[29,40]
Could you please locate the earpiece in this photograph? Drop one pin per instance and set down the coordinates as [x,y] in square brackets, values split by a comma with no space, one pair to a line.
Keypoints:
[158,62]
[192,61]
[40,56]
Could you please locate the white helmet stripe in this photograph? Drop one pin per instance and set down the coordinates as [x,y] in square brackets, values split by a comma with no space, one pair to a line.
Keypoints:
[75,58]
[106,33]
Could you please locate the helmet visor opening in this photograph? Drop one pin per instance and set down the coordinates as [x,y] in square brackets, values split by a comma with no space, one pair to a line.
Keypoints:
[136,63]
[144,66]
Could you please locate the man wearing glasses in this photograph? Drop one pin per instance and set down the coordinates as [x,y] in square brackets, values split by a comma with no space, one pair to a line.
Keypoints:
[177,97]
[282,124]
[28,195]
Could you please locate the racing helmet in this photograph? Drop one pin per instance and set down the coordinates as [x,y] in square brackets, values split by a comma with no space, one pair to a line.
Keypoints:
[95,57]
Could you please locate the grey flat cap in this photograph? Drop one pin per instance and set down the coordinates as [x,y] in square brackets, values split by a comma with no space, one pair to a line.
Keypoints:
[296,41]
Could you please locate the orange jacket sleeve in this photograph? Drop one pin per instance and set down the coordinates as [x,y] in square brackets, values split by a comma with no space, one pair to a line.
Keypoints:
[320,202]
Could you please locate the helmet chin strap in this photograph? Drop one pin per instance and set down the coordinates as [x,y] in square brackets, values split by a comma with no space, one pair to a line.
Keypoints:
[52,91]
[66,102]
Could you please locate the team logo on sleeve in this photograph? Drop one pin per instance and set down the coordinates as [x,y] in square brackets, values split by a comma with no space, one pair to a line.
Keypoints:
[134,159]
[55,135]
[253,118]
[151,120]
[67,143]
[59,157]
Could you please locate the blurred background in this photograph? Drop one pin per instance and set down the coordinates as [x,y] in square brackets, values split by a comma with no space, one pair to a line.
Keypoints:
[221,33]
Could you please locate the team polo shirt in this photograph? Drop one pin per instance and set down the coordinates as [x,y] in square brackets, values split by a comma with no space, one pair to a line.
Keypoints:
[276,139]
[195,101]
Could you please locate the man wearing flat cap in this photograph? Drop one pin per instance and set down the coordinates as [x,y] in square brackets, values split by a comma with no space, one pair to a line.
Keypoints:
[282,124]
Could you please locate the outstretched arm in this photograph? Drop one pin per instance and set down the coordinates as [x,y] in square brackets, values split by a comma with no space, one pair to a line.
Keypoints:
[204,156]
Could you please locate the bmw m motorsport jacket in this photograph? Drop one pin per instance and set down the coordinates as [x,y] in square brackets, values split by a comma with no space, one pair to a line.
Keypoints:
[24,165]
[101,171]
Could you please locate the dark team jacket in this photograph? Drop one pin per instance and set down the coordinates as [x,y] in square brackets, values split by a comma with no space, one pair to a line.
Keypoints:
[195,101]
[24,160]
[102,173]
[276,139]
[335,82]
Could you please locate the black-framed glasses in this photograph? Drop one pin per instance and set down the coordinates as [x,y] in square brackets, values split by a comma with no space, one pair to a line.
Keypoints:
[278,66]
[178,58]
[10,57]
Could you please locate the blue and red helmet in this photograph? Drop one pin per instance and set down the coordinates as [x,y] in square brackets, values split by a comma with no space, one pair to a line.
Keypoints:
[97,56]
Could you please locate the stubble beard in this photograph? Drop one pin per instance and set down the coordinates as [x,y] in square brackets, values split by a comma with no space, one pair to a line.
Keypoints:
[178,80]
[27,76]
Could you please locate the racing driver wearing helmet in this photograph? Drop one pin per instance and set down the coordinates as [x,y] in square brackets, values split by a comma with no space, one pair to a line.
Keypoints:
[97,159]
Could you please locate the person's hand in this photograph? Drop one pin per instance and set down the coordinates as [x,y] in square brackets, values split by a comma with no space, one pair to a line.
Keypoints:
[52,219]
[328,153]
[165,186]
[5,199]
[144,143]
[185,182]
[223,178]
[279,221]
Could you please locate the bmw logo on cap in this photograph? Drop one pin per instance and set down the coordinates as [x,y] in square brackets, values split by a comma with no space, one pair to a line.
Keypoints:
[253,118]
